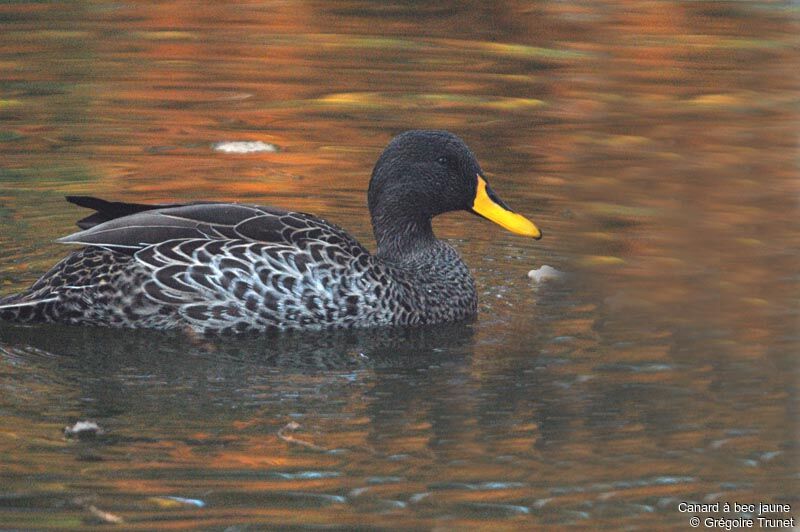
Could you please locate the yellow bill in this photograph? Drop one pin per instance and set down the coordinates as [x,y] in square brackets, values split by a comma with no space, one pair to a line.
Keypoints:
[488,205]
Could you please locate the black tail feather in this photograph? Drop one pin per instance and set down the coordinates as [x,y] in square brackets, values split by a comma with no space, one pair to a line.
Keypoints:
[108,210]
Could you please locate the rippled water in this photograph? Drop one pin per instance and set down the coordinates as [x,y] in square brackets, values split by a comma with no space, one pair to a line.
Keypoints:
[655,143]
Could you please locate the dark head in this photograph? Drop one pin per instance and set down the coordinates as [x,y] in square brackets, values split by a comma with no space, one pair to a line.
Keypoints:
[421,174]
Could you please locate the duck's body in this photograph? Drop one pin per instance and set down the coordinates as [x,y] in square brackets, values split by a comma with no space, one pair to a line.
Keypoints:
[224,267]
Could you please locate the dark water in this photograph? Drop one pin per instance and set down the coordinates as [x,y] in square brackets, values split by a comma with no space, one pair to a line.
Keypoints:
[655,143]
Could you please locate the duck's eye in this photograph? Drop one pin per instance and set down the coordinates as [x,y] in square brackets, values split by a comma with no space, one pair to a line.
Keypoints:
[443,160]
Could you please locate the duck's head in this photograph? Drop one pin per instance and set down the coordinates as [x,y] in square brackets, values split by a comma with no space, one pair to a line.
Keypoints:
[422,174]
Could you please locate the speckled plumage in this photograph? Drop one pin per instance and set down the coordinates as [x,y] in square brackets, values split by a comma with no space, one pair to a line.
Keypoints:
[223,267]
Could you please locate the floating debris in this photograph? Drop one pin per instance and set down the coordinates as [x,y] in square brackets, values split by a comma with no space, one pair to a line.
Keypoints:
[105,517]
[83,430]
[97,513]
[288,438]
[544,273]
[245,147]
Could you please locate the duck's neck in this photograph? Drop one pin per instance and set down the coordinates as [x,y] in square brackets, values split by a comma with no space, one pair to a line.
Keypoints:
[403,237]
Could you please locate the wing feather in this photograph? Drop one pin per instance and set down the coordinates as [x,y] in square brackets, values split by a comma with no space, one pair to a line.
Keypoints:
[231,266]
[130,227]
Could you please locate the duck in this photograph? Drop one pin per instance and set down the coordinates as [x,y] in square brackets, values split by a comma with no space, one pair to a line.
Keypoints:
[220,268]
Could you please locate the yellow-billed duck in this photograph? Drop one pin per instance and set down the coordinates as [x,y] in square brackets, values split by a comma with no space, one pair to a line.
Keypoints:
[228,267]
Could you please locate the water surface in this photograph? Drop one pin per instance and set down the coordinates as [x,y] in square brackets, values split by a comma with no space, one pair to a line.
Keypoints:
[655,144]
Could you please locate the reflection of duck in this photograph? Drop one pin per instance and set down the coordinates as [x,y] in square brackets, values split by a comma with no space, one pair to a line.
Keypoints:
[121,354]
[225,267]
